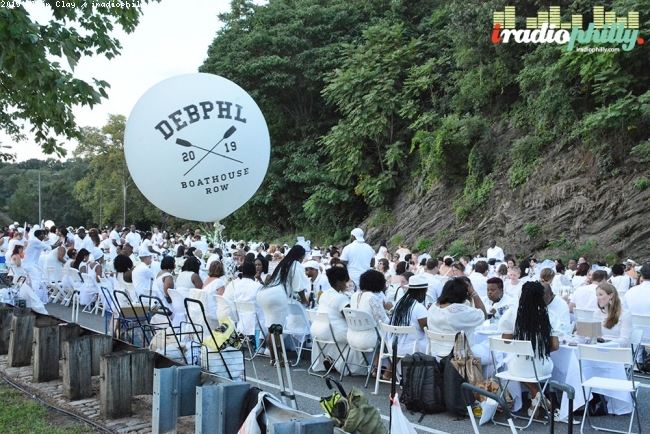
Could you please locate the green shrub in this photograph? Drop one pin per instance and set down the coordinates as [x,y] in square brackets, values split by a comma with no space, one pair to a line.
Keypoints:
[381,217]
[459,248]
[642,183]
[396,240]
[525,154]
[474,195]
[422,244]
[532,230]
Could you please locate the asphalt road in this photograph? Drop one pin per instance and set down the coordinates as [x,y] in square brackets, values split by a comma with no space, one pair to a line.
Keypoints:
[309,389]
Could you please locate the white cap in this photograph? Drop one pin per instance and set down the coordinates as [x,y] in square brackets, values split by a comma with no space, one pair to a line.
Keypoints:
[358,234]
[143,253]
[316,253]
[311,264]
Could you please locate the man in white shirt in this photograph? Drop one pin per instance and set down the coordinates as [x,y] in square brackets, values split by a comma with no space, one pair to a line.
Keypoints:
[495,252]
[431,274]
[357,256]
[318,280]
[142,275]
[199,244]
[114,241]
[35,246]
[83,241]
[133,238]
[478,277]
[157,238]
[637,299]
[558,306]
[584,296]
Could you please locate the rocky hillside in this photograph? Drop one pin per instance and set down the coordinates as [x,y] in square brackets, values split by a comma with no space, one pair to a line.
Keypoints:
[567,208]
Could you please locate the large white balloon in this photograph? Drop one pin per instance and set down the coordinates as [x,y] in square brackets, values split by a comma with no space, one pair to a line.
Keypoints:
[197,146]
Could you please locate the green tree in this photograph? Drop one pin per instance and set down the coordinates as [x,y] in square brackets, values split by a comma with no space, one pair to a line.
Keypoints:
[35,87]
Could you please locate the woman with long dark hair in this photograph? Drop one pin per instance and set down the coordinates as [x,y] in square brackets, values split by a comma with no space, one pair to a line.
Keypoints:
[410,311]
[532,322]
[288,279]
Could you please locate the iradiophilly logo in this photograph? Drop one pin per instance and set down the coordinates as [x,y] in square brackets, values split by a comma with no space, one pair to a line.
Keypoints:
[547,27]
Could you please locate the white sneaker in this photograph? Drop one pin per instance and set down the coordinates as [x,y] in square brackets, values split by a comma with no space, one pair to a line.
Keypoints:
[557,418]
[267,352]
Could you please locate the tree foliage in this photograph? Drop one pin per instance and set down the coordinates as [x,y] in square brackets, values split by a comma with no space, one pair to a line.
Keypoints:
[363,97]
[34,85]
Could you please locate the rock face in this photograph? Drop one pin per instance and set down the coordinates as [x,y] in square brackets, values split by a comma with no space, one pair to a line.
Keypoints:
[568,207]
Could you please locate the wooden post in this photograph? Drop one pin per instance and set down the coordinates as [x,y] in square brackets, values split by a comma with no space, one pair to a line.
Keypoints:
[5,327]
[46,354]
[99,345]
[20,342]
[142,365]
[68,331]
[76,369]
[115,385]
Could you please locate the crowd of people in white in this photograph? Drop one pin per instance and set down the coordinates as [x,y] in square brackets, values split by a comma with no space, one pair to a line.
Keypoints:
[445,294]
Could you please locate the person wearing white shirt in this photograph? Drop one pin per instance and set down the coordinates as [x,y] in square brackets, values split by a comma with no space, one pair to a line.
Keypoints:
[157,238]
[357,256]
[199,244]
[142,275]
[17,239]
[560,281]
[29,263]
[83,241]
[637,299]
[495,252]
[318,280]
[585,296]
[479,279]
[133,238]
[558,307]
[435,282]
[114,241]
[620,280]
[616,320]
[497,301]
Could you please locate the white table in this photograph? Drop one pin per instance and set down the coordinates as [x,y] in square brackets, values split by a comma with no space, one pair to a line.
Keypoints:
[566,369]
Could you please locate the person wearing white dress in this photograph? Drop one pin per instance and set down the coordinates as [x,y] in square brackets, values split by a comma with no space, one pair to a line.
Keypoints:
[410,311]
[332,301]
[532,322]
[214,285]
[165,281]
[33,252]
[288,279]
[189,275]
[369,299]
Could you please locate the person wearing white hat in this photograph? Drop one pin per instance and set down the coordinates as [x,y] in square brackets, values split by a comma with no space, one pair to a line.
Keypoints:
[142,275]
[30,262]
[318,280]
[410,311]
[357,256]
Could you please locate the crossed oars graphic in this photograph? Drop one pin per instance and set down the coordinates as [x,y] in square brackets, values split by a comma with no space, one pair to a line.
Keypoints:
[187,144]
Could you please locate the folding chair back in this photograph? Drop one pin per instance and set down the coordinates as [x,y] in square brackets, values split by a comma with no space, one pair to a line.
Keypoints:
[583,314]
[522,348]
[604,354]
[362,321]
[642,322]
[433,338]
[225,308]
[297,327]
[178,306]
[388,332]
[323,318]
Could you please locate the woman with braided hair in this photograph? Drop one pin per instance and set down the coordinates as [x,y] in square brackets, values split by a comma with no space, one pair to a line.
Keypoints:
[410,311]
[531,321]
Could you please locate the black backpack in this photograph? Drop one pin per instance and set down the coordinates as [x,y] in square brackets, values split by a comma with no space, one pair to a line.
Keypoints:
[422,384]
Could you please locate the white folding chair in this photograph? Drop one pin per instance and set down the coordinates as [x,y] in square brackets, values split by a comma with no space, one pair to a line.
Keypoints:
[520,349]
[297,327]
[433,338]
[361,321]
[245,308]
[225,308]
[54,283]
[323,318]
[388,332]
[583,314]
[608,355]
[178,306]
[641,323]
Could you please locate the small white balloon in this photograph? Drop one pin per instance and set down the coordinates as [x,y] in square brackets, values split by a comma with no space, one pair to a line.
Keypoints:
[197,146]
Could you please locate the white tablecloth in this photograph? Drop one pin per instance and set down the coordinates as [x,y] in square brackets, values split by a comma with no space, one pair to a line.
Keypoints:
[567,370]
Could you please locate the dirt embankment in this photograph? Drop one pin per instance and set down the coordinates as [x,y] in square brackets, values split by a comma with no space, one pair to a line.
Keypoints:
[569,199]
